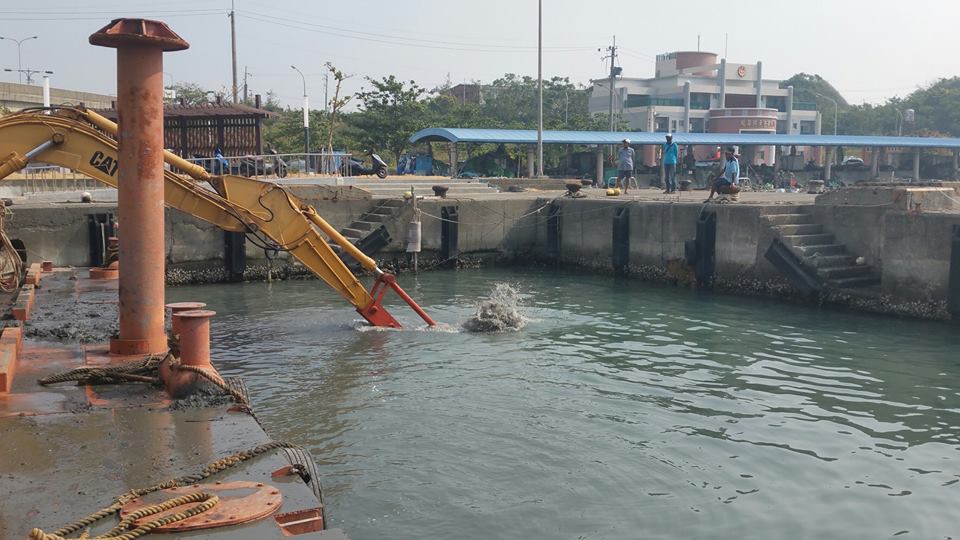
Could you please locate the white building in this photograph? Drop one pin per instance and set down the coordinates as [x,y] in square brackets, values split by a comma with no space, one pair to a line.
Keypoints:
[697,92]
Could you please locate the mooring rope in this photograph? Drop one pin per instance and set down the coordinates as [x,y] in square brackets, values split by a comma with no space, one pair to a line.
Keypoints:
[138,370]
[207,501]
[11,266]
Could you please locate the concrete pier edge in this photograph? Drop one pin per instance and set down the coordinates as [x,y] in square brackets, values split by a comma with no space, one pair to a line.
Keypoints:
[903,233]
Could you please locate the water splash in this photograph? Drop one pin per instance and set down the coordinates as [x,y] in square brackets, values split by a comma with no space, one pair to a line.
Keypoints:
[500,312]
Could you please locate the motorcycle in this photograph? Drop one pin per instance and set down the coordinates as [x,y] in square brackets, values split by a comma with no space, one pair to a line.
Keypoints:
[216,165]
[256,166]
[357,167]
[243,166]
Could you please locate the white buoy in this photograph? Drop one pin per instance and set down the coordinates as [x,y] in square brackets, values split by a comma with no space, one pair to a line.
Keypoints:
[413,237]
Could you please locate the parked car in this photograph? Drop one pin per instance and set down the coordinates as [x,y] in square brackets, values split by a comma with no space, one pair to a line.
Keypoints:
[852,161]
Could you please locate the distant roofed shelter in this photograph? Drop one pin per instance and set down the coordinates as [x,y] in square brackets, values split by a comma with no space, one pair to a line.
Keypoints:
[640,138]
[199,129]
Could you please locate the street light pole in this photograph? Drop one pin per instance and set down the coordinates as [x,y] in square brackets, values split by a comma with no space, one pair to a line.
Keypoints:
[834,110]
[19,43]
[306,120]
[540,89]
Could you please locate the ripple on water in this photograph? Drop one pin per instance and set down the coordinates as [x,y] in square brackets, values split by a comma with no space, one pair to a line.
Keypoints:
[622,410]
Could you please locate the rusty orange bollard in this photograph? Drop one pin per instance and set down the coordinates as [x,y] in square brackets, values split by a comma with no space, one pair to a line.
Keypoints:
[178,307]
[194,327]
[140,45]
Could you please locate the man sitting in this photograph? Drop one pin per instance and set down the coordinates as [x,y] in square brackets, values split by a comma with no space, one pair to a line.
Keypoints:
[728,181]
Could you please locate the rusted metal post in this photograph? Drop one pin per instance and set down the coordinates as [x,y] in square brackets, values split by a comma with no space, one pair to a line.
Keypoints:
[140,45]
[194,331]
[194,328]
[179,307]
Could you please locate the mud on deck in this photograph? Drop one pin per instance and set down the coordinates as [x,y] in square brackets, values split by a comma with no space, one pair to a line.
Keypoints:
[67,451]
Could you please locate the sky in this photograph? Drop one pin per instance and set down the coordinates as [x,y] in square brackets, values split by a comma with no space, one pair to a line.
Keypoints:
[870,50]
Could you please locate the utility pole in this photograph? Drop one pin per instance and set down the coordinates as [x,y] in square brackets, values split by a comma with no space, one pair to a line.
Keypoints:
[233,47]
[612,55]
[540,89]
[245,75]
[612,50]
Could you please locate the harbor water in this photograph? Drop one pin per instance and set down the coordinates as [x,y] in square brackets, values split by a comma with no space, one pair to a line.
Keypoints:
[620,410]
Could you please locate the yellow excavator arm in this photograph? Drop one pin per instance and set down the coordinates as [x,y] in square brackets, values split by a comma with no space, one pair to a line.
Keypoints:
[82,140]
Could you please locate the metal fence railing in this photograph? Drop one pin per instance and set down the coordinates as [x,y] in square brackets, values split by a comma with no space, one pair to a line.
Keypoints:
[276,166]
[50,178]
[39,178]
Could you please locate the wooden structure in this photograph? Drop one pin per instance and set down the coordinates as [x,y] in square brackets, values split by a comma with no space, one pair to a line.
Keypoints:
[191,130]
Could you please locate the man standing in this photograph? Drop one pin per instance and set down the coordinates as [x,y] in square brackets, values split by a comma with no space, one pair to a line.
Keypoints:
[728,181]
[625,165]
[670,164]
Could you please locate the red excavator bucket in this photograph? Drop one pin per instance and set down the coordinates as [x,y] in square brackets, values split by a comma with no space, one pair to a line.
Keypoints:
[377,315]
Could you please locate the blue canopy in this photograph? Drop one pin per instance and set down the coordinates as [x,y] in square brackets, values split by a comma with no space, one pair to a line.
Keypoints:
[529,136]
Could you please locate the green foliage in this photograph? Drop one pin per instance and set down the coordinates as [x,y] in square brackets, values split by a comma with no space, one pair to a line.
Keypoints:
[284,132]
[511,103]
[389,113]
[937,108]
[806,89]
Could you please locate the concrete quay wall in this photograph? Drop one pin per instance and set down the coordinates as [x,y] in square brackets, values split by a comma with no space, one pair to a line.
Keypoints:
[911,250]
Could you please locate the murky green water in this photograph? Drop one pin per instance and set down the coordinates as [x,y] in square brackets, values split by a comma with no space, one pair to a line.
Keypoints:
[621,411]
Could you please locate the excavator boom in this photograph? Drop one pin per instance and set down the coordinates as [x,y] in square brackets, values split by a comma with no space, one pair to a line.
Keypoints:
[82,140]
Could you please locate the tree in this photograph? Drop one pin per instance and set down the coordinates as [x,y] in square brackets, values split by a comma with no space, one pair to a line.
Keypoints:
[810,89]
[188,94]
[389,114]
[336,104]
[937,107]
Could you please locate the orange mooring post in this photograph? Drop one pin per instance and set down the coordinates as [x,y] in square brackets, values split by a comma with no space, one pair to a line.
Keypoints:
[178,307]
[194,328]
[140,45]
[194,332]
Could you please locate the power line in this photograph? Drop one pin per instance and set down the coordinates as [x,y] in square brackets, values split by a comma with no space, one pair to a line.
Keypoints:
[381,35]
[100,18]
[106,12]
[454,46]
[637,54]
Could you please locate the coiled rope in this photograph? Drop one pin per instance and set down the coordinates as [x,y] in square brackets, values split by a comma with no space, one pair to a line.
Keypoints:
[206,501]
[11,266]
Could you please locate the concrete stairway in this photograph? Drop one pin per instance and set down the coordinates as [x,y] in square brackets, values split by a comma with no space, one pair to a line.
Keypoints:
[395,187]
[820,251]
[367,224]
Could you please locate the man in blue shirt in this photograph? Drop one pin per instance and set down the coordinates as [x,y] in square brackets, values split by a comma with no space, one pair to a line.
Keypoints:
[728,181]
[670,164]
[625,165]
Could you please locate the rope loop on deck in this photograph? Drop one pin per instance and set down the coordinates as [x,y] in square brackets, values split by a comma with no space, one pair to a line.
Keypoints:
[206,501]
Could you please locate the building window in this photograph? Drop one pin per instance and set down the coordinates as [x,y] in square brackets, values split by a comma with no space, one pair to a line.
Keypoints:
[777,102]
[700,101]
[808,127]
[641,100]
[697,125]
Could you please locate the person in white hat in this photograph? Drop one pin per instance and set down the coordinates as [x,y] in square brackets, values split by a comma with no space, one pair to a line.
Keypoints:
[625,165]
